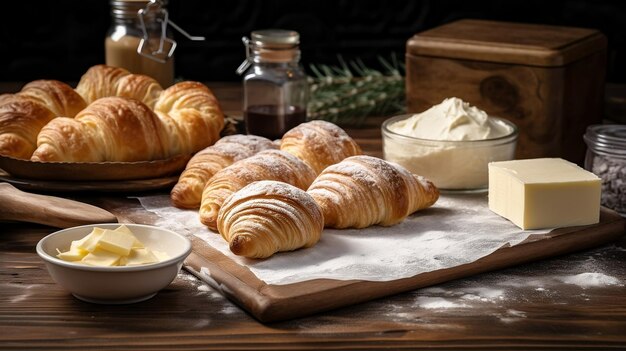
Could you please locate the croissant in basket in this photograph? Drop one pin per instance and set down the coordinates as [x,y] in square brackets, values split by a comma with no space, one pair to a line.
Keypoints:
[266,217]
[187,192]
[186,118]
[361,191]
[104,81]
[22,115]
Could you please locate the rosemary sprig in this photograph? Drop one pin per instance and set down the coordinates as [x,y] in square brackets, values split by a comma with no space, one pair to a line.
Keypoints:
[350,92]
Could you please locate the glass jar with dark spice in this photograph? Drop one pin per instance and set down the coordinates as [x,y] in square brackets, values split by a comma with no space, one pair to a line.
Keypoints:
[274,83]
[606,158]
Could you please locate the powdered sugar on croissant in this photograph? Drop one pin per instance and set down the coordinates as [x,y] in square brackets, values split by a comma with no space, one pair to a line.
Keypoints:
[266,165]
[187,192]
[266,217]
[319,144]
[362,191]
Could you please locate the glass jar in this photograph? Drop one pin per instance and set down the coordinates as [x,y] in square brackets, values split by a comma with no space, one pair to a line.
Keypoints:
[606,158]
[274,83]
[141,42]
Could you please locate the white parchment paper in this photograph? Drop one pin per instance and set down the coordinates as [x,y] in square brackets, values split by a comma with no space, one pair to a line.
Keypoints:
[458,229]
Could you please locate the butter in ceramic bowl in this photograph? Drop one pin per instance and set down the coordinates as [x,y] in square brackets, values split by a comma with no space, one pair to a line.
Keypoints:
[451,144]
[105,283]
[111,247]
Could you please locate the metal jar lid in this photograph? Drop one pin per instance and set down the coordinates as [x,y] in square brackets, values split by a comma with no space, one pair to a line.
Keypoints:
[607,139]
[275,37]
[270,45]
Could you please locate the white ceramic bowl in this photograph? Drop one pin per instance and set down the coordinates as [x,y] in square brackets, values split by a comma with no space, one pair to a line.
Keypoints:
[115,285]
[453,166]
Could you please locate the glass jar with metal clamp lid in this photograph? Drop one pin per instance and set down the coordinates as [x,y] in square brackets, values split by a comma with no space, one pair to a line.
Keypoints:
[606,158]
[274,83]
[140,41]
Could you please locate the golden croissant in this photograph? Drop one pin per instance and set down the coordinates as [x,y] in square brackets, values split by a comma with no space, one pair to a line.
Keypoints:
[266,165]
[266,217]
[22,115]
[109,129]
[104,81]
[362,191]
[319,144]
[186,119]
[192,116]
[187,192]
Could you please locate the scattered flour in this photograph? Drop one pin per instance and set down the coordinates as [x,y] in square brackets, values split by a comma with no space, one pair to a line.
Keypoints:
[588,280]
[512,316]
[437,303]
[204,288]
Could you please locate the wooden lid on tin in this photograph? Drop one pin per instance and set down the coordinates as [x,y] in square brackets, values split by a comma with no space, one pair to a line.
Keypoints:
[505,42]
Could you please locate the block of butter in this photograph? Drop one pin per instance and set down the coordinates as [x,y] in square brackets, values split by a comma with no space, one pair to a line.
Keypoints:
[544,193]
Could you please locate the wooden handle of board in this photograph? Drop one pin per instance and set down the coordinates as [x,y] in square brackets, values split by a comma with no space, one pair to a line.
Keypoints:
[16,205]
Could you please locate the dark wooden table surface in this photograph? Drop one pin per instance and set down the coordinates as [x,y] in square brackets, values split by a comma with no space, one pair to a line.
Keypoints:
[571,302]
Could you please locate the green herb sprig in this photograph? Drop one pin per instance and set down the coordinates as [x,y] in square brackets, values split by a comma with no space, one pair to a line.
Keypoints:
[349,93]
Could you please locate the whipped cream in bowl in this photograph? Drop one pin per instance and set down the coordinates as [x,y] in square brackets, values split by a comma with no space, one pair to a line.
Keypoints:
[450,143]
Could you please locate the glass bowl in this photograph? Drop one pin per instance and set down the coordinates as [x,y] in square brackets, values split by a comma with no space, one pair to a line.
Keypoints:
[453,166]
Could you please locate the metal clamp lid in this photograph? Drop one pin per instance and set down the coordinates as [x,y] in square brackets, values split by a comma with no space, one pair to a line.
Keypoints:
[155,9]
[269,40]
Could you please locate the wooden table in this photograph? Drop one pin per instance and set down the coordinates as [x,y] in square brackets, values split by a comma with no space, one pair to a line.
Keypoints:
[572,302]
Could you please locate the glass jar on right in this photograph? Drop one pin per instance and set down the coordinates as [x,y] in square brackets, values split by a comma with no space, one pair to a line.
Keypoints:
[606,158]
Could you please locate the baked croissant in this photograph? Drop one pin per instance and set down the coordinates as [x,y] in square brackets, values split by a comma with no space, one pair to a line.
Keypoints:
[22,115]
[266,217]
[187,119]
[192,115]
[319,144]
[362,191]
[187,193]
[104,81]
[109,129]
[266,165]
[56,96]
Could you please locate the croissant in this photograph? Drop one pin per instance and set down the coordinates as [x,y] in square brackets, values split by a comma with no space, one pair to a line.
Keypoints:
[187,192]
[266,217]
[192,115]
[104,81]
[187,118]
[56,96]
[266,165]
[319,144]
[109,129]
[22,115]
[362,190]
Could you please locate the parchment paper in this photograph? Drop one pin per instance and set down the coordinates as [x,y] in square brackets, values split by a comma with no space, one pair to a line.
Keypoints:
[458,229]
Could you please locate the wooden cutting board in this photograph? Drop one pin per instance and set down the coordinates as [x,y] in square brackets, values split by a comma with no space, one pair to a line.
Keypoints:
[269,303]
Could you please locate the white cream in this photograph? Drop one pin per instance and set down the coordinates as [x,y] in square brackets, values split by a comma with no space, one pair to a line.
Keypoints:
[452,146]
[453,120]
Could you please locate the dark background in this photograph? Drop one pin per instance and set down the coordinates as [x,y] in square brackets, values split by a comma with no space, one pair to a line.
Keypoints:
[61,39]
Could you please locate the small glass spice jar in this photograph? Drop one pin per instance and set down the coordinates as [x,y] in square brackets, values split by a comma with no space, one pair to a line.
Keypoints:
[606,158]
[274,83]
[139,40]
